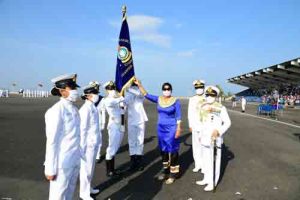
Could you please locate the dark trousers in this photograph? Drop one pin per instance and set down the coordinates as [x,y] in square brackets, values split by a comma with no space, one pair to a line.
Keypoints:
[170,163]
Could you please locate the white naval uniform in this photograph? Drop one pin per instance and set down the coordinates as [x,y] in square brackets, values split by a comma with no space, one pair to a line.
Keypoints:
[90,142]
[62,149]
[213,117]
[137,117]
[101,127]
[112,104]
[243,103]
[194,105]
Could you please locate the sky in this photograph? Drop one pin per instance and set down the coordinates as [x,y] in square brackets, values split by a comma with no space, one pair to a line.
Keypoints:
[172,41]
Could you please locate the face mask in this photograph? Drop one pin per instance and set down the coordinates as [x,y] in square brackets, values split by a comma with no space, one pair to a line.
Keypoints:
[210,100]
[111,92]
[199,91]
[167,93]
[95,98]
[73,95]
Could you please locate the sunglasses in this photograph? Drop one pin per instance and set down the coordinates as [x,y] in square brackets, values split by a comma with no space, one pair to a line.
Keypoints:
[166,89]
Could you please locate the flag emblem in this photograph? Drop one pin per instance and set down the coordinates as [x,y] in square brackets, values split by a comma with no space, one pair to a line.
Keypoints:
[123,54]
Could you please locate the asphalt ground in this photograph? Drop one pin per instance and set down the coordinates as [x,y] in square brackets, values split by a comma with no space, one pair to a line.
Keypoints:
[288,114]
[260,158]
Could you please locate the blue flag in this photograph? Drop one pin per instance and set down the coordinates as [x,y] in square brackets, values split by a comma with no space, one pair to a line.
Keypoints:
[124,68]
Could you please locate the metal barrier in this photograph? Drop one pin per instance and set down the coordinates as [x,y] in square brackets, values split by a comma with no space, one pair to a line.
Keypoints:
[268,109]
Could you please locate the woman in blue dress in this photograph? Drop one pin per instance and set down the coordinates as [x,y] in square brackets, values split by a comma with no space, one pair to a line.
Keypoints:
[168,130]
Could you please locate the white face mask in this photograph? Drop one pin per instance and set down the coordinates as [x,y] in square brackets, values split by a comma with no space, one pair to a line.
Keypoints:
[167,93]
[95,98]
[199,91]
[210,99]
[111,92]
[73,95]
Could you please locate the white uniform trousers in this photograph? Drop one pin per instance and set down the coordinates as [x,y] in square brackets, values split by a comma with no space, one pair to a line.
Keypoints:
[197,149]
[98,155]
[208,164]
[136,135]
[62,188]
[243,107]
[87,166]
[115,137]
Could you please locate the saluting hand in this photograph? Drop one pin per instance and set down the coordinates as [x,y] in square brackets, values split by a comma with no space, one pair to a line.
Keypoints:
[50,178]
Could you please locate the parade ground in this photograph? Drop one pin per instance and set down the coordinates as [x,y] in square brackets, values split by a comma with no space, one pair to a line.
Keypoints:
[260,158]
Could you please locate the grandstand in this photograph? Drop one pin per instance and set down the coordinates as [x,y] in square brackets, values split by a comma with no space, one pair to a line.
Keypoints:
[283,77]
[272,84]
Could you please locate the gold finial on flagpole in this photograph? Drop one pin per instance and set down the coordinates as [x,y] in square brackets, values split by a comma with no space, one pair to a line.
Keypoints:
[124,9]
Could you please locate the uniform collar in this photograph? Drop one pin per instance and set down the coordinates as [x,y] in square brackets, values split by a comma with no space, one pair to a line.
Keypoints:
[113,95]
[65,101]
[88,102]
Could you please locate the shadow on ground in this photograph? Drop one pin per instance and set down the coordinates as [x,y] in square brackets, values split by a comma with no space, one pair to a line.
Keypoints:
[146,185]
[297,135]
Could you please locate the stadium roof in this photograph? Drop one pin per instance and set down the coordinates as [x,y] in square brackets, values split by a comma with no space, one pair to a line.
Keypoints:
[275,76]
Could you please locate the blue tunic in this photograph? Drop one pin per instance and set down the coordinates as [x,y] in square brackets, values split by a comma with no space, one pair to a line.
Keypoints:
[167,124]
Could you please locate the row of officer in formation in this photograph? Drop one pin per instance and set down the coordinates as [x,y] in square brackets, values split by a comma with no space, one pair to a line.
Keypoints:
[74,137]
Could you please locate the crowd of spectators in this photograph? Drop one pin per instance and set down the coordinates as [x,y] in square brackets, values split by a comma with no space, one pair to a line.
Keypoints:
[285,100]
[289,96]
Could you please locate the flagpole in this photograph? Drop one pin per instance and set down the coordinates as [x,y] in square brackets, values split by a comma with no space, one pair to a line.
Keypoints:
[122,106]
[124,9]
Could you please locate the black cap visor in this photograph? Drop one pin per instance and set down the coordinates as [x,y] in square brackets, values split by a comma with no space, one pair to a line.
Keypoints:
[199,86]
[66,83]
[211,95]
[91,91]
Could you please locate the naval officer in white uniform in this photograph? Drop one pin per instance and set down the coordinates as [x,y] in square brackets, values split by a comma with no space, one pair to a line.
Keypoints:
[215,122]
[62,160]
[194,105]
[137,117]
[114,105]
[91,139]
